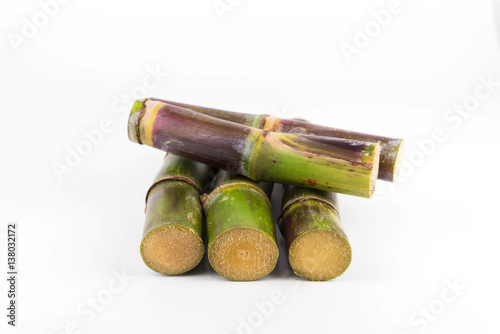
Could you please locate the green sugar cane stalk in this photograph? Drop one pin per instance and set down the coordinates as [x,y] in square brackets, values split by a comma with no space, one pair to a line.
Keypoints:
[172,239]
[318,248]
[241,238]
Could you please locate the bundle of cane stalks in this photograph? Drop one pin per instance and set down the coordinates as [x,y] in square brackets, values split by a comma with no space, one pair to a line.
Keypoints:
[241,156]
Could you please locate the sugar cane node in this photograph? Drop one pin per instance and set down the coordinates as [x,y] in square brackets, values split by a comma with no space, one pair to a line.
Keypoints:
[133,123]
[304,199]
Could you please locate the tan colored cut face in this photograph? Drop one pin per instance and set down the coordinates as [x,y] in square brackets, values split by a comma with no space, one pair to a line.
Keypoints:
[398,161]
[320,255]
[243,254]
[172,250]
[375,168]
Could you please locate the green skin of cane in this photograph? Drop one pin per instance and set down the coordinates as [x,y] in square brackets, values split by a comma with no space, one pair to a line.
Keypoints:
[307,210]
[238,203]
[332,164]
[391,148]
[172,202]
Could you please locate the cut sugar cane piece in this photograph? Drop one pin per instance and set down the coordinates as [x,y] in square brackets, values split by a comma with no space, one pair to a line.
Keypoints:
[340,165]
[240,229]
[318,248]
[391,155]
[172,240]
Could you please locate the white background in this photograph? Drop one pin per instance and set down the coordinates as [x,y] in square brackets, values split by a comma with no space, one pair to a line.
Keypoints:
[437,226]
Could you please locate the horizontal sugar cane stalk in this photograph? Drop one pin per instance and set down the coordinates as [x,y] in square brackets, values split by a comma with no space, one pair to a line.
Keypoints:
[391,154]
[340,165]
[172,240]
[318,248]
[240,230]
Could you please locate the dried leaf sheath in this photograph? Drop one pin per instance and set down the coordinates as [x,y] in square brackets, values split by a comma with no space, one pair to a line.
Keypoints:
[339,165]
[391,148]
[172,242]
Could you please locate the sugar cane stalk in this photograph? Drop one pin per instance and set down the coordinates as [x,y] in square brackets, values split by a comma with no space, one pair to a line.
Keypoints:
[391,154]
[240,230]
[172,240]
[340,165]
[318,248]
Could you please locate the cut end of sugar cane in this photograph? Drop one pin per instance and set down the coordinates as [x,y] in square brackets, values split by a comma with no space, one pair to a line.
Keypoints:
[240,228]
[172,249]
[318,249]
[375,169]
[172,243]
[319,255]
[243,254]
[135,112]
[398,161]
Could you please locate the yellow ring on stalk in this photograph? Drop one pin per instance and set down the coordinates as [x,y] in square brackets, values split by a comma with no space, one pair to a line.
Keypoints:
[271,124]
[150,117]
